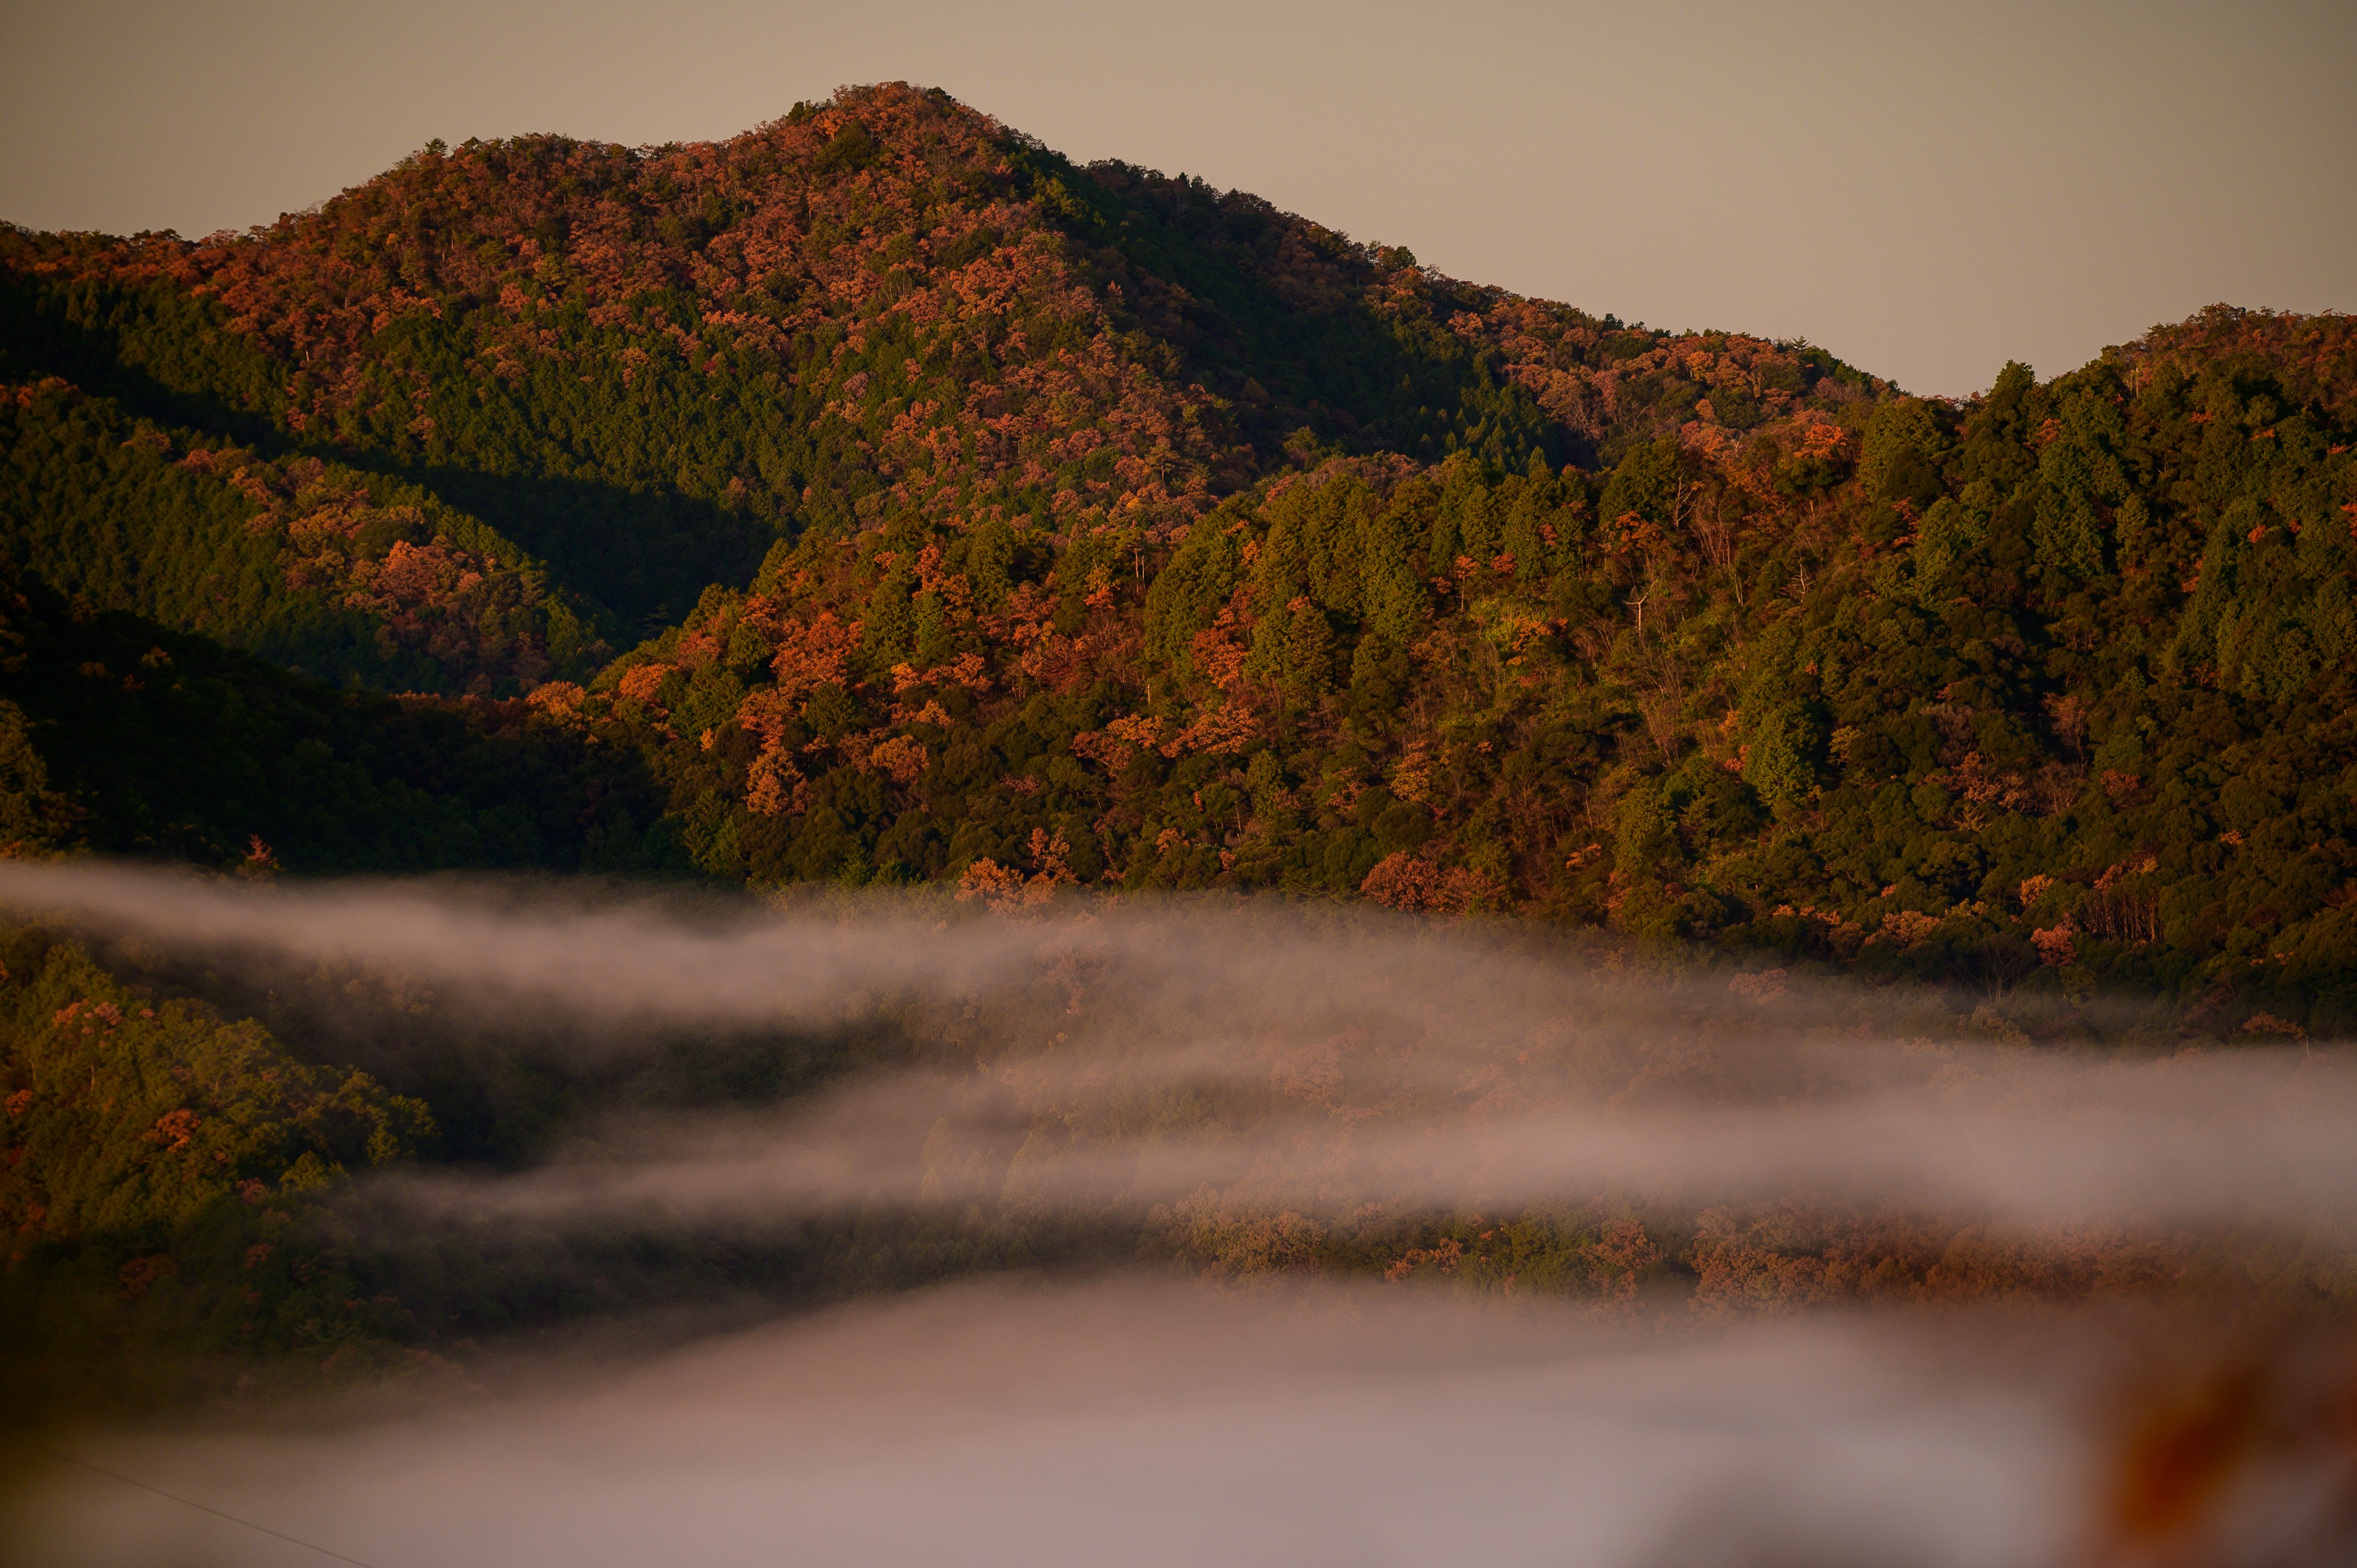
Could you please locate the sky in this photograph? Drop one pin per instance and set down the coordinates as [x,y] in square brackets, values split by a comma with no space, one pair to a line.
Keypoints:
[1926,191]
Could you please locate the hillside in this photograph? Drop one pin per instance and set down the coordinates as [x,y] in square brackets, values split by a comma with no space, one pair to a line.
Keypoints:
[122,737]
[1001,520]
[159,1157]
[644,366]
[998,519]
[342,575]
[2058,682]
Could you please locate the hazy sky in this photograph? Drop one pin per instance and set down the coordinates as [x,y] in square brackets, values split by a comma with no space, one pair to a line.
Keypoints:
[1927,189]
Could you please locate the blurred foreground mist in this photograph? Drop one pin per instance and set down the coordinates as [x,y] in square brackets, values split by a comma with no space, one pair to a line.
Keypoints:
[1149,1421]
[1285,1234]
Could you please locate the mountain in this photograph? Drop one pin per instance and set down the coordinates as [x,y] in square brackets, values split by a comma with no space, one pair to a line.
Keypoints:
[645,366]
[979,516]
[879,498]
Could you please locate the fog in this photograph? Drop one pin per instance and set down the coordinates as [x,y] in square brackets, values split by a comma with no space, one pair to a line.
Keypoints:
[1138,1067]
[2255,1140]
[1145,1424]
[1134,1054]
[505,950]
[1151,1423]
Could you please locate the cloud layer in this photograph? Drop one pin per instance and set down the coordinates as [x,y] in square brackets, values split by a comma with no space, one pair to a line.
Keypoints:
[1123,1063]
[1135,1054]
[1147,1424]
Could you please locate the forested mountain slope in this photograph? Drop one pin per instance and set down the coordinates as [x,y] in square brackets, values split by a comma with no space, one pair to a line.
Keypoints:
[344,575]
[120,737]
[2057,681]
[994,519]
[645,365]
[158,1159]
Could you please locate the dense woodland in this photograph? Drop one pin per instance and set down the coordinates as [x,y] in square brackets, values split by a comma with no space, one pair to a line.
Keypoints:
[879,498]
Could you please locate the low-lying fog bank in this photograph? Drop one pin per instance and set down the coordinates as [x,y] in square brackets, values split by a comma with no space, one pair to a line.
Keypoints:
[1519,1240]
[1146,1423]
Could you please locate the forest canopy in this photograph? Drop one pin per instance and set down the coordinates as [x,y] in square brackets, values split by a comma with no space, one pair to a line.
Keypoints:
[976,514]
